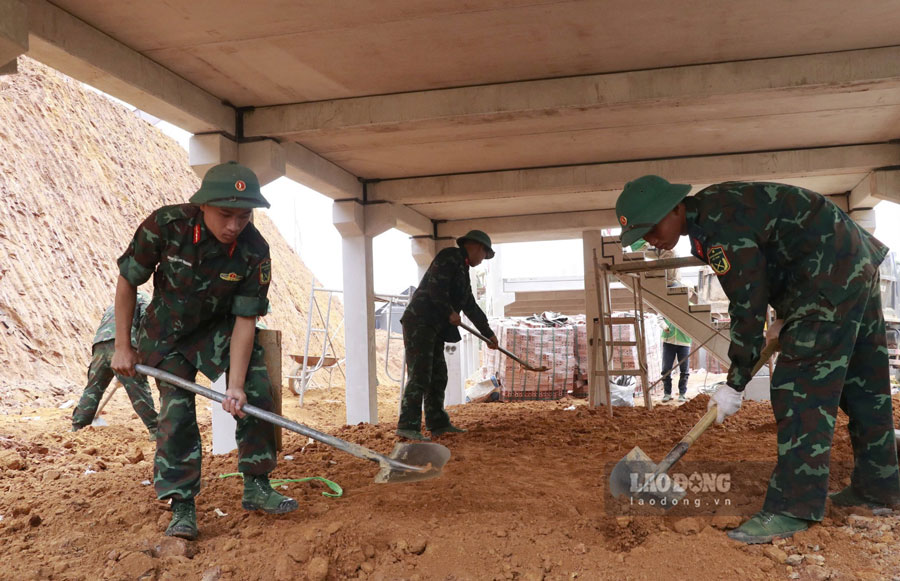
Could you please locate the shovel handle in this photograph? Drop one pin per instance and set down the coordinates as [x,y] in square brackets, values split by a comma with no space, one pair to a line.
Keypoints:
[501,349]
[709,417]
[250,410]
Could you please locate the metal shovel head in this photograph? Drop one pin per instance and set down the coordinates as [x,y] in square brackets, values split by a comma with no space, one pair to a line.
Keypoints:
[428,459]
[633,478]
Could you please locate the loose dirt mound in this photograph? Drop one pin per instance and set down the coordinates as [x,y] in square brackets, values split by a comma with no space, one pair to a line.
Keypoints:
[78,175]
[523,497]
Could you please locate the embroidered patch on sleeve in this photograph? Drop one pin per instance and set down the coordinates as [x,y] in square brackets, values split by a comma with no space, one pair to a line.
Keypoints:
[265,271]
[718,260]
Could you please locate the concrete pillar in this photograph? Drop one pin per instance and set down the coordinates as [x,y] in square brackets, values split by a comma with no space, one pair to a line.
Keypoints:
[423,252]
[865,218]
[359,312]
[223,423]
[456,383]
[207,150]
[13,32]
[591,240]
[266,158]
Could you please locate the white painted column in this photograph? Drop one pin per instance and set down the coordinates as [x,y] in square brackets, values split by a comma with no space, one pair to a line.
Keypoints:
[423,252]
[13,33]
[359,312]
[223,423]
[591,240]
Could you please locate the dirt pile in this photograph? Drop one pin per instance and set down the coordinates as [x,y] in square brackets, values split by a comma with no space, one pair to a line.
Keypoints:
[523,497]
[78,174]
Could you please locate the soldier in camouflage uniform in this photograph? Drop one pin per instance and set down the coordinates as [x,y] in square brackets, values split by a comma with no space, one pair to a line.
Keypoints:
[780,245]
[100,374]
[211,273]
[432,318]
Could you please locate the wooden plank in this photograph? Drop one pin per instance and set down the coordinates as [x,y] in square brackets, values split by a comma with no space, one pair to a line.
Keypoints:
[270,340]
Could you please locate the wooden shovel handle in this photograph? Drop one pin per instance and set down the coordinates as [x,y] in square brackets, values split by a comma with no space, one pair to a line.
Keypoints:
[710,416]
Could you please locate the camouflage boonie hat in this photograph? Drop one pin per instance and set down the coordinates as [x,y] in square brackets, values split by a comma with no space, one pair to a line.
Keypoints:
[644,202]
[479,237]
[230,185]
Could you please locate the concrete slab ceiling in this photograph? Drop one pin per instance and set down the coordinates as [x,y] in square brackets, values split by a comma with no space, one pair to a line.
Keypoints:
[502,109]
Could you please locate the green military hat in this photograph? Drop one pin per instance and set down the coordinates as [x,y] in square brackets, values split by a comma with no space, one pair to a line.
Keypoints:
[644,202]
[480,237]
[230,185]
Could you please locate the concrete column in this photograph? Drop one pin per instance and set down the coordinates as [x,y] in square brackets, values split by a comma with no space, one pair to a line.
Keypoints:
[423,252]
[13,33]
[591,240]
[865,218]
[266,158]
[359,312]
[207,150]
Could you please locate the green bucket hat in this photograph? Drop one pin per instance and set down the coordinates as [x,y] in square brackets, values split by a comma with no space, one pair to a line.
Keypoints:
[644,202]
[230,185]
[479,237]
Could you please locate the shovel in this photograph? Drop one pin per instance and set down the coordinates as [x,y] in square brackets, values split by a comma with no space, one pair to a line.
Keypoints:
[407,462]
[504,351]
[635,475]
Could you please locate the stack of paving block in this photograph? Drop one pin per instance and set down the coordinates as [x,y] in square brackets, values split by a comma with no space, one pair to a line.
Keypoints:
[623,357]
[539,345]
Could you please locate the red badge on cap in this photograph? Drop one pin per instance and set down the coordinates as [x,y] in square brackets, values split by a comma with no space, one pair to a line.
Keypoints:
[240,185]
[623,220]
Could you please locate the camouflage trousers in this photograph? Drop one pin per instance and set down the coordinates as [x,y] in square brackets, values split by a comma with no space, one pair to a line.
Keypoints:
[427,379]
[176,467]
[100,374]
[832,357]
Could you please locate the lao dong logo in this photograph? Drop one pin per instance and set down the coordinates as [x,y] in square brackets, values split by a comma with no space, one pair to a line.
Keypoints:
[695,483]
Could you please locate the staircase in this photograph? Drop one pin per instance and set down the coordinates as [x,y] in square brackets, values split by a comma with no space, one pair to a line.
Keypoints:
[672,303]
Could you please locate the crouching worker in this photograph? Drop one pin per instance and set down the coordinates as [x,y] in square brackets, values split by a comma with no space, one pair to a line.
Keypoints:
[100,372]
[785,246]
[211,274]
[430,319]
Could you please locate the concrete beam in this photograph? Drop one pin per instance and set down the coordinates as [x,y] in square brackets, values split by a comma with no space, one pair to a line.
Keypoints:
[837,72]
[71,46]
[13,31]
[559,226]
[881,184]
[315,172]
[382,217]
[612,177]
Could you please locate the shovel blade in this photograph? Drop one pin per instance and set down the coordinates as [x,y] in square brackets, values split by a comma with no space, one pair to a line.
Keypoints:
[428,458]
[629,477]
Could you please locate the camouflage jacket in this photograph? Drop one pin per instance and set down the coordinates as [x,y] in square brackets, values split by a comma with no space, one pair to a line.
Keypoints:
[199,284]
[446,289]
[780,245]
[107,329]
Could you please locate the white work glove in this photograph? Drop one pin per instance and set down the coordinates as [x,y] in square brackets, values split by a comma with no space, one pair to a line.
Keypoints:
[728,400]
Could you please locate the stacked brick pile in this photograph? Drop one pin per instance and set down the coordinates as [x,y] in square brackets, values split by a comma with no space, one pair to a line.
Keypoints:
[539,345]
[565,351]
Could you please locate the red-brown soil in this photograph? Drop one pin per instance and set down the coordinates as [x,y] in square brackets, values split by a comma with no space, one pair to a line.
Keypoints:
[521,498]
